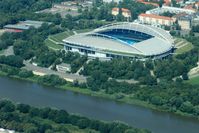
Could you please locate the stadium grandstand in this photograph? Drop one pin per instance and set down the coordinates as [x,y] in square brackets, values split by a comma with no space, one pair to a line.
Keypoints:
[122,39]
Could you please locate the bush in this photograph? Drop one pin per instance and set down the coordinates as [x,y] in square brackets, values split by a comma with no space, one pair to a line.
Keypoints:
[25,73]
[12,60]
[52,80]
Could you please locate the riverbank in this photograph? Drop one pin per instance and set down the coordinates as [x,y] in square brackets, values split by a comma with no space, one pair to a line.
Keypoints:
[128,99]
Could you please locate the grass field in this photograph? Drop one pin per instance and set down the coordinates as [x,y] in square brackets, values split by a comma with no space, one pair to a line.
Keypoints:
[54,40]
[60,36]
[1,31]
[84,30]
[182,45]
[194,81]
[185,48]
[53,45]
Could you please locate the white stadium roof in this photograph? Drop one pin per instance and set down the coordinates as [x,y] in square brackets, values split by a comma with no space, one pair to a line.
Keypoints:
[161,41]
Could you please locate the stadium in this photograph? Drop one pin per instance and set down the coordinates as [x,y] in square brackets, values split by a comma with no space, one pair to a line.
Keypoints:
[123,39]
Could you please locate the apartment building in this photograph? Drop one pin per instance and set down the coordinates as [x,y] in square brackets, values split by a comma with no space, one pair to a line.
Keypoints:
[125,12]
[155,20]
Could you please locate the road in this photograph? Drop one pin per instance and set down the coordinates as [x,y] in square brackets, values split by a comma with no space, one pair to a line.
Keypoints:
[46,71]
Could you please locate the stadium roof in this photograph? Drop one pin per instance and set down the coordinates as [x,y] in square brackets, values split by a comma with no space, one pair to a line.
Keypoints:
[160,42]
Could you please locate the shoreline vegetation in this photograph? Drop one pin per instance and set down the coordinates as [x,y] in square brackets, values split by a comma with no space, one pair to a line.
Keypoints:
[126,99]
[29,119]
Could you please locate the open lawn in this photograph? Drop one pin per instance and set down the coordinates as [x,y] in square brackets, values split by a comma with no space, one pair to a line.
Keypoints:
[182,45]
[53,45]
[60,36]
[84,30]
[54,41]
[1,31]
[184,49]
[194,81]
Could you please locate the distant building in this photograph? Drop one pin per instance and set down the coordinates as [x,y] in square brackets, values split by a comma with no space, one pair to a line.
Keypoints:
[155,20]
[125,12]
[167,2]
[109,1]
[197,5]
[70,5]
[23,25]
[190,7]
[148,3]
[195,21]
[180,2]
[175,10]
[185,22]
[177,16]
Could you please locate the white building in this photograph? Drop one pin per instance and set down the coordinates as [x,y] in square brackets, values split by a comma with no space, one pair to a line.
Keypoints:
[63,68]
[109,1]
[175,10]
[155,20]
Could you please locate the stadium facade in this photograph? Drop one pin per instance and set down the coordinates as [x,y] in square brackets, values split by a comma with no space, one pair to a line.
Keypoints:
[123,39]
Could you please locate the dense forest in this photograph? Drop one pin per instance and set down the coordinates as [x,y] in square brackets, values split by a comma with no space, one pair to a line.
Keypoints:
[133,69]
[27,119]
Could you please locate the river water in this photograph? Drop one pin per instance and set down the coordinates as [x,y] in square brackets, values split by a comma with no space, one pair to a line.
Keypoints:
[92,107]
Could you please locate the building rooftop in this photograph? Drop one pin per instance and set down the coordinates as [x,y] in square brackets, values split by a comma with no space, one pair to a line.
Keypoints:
[17,26]
[155,16]
[123,9]
[179,15]
[25,25]
[170,9]
[186,17]
[197,3]
[148,3]
[64,65]
[190,7]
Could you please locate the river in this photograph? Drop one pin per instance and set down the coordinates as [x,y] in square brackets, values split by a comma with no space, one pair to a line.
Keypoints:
[92,107]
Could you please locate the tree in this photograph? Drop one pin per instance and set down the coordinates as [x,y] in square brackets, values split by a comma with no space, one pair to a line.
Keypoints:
[68,22]
[52,80]
[185,76]
[157,100]
[161,2]
[23,108]
[25,73]
[12,60]
[7,106]
[187,107]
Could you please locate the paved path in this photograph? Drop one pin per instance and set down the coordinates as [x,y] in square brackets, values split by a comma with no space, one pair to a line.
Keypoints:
[75,33]
[55,41]
[46,71]
[194,72]
[81,68]
[8,51]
